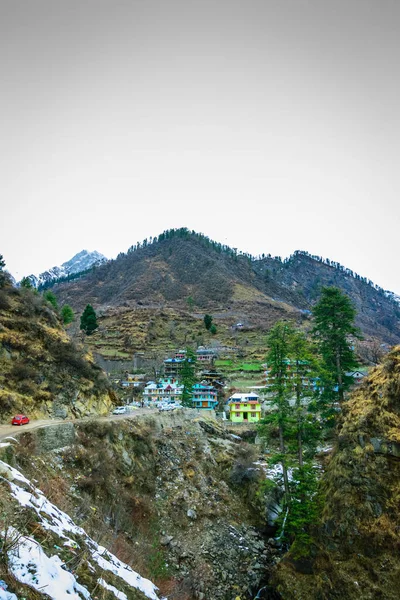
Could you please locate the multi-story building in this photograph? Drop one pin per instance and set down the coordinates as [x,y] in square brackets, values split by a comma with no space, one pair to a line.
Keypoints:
[244,408]
[307,381]
[205,355]
[164,390]
[173,366]
[204,397]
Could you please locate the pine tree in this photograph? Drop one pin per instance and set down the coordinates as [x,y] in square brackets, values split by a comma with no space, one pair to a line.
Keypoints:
[304,367]
[26,283]
[3,276]
[291,368]
[89,320]
[208,321]
[67,314]
[50,297]
[277,358]
[334,327]
[188,377]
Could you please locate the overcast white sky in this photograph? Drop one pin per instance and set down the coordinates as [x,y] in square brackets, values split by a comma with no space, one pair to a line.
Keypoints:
[267,125]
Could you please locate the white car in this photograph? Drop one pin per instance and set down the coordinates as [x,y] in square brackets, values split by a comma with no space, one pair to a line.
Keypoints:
[120,410]
[169,406]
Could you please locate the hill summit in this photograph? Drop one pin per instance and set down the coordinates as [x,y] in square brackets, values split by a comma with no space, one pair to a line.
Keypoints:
[181,267]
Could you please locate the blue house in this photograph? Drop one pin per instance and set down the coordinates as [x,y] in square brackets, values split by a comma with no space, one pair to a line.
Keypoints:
[204,397]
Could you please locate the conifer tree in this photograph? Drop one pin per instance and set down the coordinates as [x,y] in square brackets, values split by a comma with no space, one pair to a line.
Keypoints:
[50,297]
[3,277]
[333,330]
[291,369]
[89,320]
[67,314]
[208,321]
[188,377]
[277,358]
[26,283]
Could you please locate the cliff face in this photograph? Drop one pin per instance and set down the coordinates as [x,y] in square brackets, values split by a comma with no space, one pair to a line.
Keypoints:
[42,373]
[356,552]
[174,496]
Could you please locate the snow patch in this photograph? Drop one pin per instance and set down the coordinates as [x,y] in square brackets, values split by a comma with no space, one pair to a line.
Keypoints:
[7,595]
[53,519]
[30,565]
[112,589]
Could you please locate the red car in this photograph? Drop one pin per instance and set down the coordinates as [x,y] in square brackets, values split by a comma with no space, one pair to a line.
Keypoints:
[20,420]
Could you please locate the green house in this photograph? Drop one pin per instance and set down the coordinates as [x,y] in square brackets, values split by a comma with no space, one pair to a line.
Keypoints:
[244,408]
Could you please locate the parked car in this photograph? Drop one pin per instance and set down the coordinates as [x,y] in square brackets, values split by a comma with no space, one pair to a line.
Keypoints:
[166,407]
[169,406]
[20,420]
[120,410]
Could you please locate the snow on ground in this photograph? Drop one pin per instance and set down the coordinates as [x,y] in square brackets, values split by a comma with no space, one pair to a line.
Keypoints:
[30,565]
[275,472]
[7,595]
[111,588]
[46,572]
[109,562]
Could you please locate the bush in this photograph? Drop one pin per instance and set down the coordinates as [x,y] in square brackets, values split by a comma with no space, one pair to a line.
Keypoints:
[4,302]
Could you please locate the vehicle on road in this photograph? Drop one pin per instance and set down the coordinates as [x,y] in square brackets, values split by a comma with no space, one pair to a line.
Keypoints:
[120,410]
[20,420]
[169,406]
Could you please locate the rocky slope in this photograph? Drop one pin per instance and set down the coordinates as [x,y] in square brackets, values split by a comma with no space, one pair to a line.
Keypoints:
[46,555]
[174,496]
[356,546]
[183,270]
[42,373]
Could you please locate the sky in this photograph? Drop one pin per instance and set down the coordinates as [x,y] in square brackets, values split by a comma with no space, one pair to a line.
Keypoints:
[267,125]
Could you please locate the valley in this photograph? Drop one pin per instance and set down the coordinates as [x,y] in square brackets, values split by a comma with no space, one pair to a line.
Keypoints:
[276,478]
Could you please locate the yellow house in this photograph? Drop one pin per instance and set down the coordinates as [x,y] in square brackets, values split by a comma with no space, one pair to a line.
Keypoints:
[244,408]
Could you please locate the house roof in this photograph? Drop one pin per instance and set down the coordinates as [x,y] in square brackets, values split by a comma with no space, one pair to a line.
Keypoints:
[239,397]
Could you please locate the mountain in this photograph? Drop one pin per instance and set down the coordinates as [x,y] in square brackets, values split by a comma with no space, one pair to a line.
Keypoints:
[189,272]
[80,262]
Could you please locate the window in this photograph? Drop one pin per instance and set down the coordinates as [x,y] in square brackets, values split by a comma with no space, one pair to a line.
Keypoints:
[253,414]
[237,406]
[238,414]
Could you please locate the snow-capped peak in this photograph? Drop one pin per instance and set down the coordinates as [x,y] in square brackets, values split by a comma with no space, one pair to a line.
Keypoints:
[80,262]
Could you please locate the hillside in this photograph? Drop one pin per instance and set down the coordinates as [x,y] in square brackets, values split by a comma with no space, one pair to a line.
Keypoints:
[173,496]
[43,373]
[188,272]
[356,546]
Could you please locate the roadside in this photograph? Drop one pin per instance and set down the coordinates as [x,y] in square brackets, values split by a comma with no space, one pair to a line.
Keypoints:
[13,430]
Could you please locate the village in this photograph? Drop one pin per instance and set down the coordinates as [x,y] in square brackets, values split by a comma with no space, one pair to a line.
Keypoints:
[213,392]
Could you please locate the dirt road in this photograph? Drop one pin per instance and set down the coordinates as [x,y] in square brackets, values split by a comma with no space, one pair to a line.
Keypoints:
[14,430]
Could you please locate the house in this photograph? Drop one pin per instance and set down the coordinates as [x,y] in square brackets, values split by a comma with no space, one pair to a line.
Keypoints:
[204,397]
[307,382]
[165,389]
[173,366]
[205,355]
[244,408]
[213,377]
[356,375]
[133,380]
